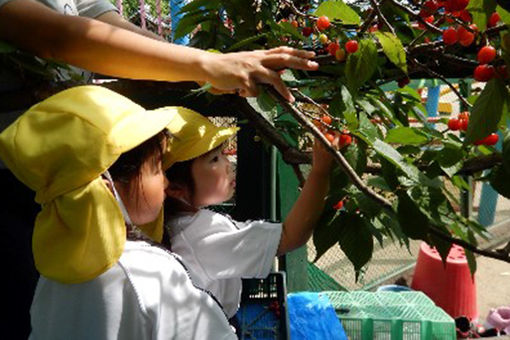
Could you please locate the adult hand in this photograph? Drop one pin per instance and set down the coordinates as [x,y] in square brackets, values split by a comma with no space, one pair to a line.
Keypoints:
[241,71]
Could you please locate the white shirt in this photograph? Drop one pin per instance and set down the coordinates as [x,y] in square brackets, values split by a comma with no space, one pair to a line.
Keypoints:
[219,251]
[146,295]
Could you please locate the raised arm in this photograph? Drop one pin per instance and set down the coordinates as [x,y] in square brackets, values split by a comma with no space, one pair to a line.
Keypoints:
[111,50]
[304,215]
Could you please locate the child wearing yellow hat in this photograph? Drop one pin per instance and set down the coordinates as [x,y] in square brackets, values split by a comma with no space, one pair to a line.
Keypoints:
[218,250]
[93,157]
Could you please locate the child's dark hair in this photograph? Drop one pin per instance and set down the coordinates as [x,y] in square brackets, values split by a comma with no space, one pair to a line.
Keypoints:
[178,174]
[129,164]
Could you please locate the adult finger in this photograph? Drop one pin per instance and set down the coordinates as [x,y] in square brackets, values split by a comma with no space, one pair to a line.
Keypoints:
[292,51]
[270,77]
[282,60]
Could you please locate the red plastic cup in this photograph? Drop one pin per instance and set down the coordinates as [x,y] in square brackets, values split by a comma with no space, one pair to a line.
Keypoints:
[451,287]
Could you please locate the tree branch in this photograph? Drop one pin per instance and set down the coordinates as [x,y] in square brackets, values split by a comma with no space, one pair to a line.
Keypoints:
[381,16]
[358,182]
[499,254]
[437,75]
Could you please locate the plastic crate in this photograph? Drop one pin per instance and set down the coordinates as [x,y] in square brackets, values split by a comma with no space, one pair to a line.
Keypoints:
[263,311]
[389,315]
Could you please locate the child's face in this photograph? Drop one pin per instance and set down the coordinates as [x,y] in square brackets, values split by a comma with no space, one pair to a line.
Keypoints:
[214,179]
[145,197]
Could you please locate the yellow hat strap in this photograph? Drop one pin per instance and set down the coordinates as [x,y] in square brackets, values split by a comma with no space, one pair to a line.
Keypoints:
[127,219]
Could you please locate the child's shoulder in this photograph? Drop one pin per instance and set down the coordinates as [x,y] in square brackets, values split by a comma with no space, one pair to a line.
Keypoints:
[151,258]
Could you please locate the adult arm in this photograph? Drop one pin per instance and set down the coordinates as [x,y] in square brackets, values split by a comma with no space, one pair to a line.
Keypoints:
[103,48]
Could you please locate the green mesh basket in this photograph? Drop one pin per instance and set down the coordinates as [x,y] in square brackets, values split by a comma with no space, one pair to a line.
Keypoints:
[391,316]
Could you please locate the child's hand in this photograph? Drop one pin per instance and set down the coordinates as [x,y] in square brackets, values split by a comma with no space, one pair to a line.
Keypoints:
[322,158]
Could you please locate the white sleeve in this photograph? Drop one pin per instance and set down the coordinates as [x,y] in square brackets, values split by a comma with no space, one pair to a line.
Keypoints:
[240,250]
[94,8]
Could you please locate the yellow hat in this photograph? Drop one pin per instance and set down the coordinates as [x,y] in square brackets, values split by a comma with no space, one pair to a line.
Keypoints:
[192,135]
[59,148]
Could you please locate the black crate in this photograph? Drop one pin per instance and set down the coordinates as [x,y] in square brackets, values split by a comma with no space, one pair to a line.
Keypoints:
[263,311]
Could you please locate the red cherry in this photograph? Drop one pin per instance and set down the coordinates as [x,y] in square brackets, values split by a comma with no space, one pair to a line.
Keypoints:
[429,19]
[307,31]
[464,115]
[494,19]
[326,119]
[465,16]
[491,139]
[295,23]
[502,72]
[329,136]
[323,23]
[332,48]
[450,36]
[345,140]
[458,5]
[403,82]
[373,28]
[466,38]
[483,73]
[486,54]
[454,124]
[463,124]
[339,205]
[431,6]
[351,46]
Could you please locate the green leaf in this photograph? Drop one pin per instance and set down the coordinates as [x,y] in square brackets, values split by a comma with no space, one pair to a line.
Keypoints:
[480,10]
[366,204]
[469,254]
[412,221]
[356,155]
[450,158]
[487,111]
[338,10]
[328,229]
[6,48]
[265,101]
[188,23]
[367,128]
[406,136]
[393,48]
[287,27]
[198,4]
[499,180]
[244,42]
[356,241]
[505,15]
[394,157]
[349,112]
[262,104]
[506,151]
[443,247]
[378,182]
[361,65]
